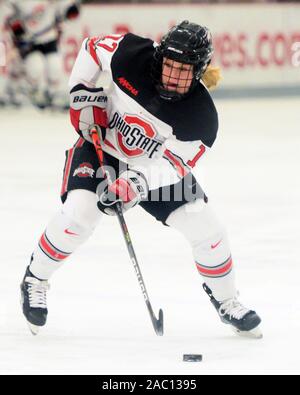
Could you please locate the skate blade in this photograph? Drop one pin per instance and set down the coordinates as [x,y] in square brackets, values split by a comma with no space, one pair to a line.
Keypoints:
[34,329]
[255,333]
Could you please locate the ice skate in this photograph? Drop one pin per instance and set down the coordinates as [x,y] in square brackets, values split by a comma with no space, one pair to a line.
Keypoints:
[244,322]
[34,301]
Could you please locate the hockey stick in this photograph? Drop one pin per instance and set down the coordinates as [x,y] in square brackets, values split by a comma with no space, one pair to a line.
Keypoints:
[158,324]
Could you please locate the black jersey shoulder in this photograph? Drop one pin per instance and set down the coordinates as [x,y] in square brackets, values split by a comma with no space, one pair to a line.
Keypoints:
[193,118]
[196,117]
[131,66]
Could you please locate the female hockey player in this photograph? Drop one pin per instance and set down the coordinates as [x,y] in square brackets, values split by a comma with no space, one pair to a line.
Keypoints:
[35,29]
[157,118]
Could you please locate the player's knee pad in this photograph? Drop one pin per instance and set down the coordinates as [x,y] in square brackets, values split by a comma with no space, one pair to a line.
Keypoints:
[197,222]
[81,209]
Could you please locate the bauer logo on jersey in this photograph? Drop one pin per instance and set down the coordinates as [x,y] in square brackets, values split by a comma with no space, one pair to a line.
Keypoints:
[84,170]
[135,136]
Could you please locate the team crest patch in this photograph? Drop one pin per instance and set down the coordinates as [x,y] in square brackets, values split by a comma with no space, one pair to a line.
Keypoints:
[136,136]
[84,170]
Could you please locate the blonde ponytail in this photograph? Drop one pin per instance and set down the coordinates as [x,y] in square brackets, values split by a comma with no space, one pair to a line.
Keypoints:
[211,77]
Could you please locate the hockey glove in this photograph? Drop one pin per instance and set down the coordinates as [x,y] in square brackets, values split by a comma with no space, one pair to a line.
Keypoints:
[87,108]
[16,26]
[129,189]
[72,11]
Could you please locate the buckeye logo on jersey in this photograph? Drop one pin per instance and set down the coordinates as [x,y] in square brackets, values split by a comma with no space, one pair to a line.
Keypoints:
[84,170]
[135,136]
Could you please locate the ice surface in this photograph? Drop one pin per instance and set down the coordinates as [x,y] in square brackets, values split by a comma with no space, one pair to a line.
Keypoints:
[98,323]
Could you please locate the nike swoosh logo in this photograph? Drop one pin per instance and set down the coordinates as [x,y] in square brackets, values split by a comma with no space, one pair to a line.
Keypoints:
[70,233]
[213,246]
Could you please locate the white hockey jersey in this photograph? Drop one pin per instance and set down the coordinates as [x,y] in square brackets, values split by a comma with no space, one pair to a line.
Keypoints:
[161,139]
[40,18]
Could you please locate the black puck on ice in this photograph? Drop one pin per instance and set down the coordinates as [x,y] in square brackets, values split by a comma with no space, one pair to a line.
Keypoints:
[192,357]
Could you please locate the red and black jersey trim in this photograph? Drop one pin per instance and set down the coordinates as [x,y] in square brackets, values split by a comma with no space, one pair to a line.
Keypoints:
[178,164]
[90,47]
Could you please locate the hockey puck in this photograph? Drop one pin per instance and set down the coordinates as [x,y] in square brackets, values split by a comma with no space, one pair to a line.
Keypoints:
[192,357]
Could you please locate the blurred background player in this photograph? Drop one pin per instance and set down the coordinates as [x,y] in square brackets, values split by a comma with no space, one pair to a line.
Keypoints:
[14,86]
[159,117]
[36,67]
[5,56]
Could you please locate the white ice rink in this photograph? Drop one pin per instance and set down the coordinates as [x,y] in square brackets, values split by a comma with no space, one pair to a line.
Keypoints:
[98,322]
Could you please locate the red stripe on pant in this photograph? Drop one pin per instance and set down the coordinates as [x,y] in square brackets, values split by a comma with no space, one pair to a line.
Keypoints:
[52,251]
[70,154]
[216,271]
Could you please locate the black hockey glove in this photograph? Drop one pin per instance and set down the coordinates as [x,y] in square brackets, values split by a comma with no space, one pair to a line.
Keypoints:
[72,12]
[16,26]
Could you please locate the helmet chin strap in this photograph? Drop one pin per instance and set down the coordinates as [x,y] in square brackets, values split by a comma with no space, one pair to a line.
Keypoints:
[173,96]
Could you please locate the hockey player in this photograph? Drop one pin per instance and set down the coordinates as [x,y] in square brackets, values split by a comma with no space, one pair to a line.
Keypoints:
[35,30]
[6,57]
[158,118]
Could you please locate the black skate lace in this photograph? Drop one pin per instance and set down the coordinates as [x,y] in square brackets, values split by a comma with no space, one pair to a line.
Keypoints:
[37,291]
[233,308]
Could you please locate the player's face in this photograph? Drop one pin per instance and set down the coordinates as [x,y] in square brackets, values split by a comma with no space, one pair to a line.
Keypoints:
[176,76]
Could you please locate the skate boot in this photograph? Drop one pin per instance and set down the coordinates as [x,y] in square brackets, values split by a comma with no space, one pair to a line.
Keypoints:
[243,321]
[34,301]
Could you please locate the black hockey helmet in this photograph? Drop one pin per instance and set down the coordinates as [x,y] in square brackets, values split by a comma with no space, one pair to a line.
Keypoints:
[187,43]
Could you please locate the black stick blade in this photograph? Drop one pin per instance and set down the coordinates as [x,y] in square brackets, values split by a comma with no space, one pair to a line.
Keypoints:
[159,327]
